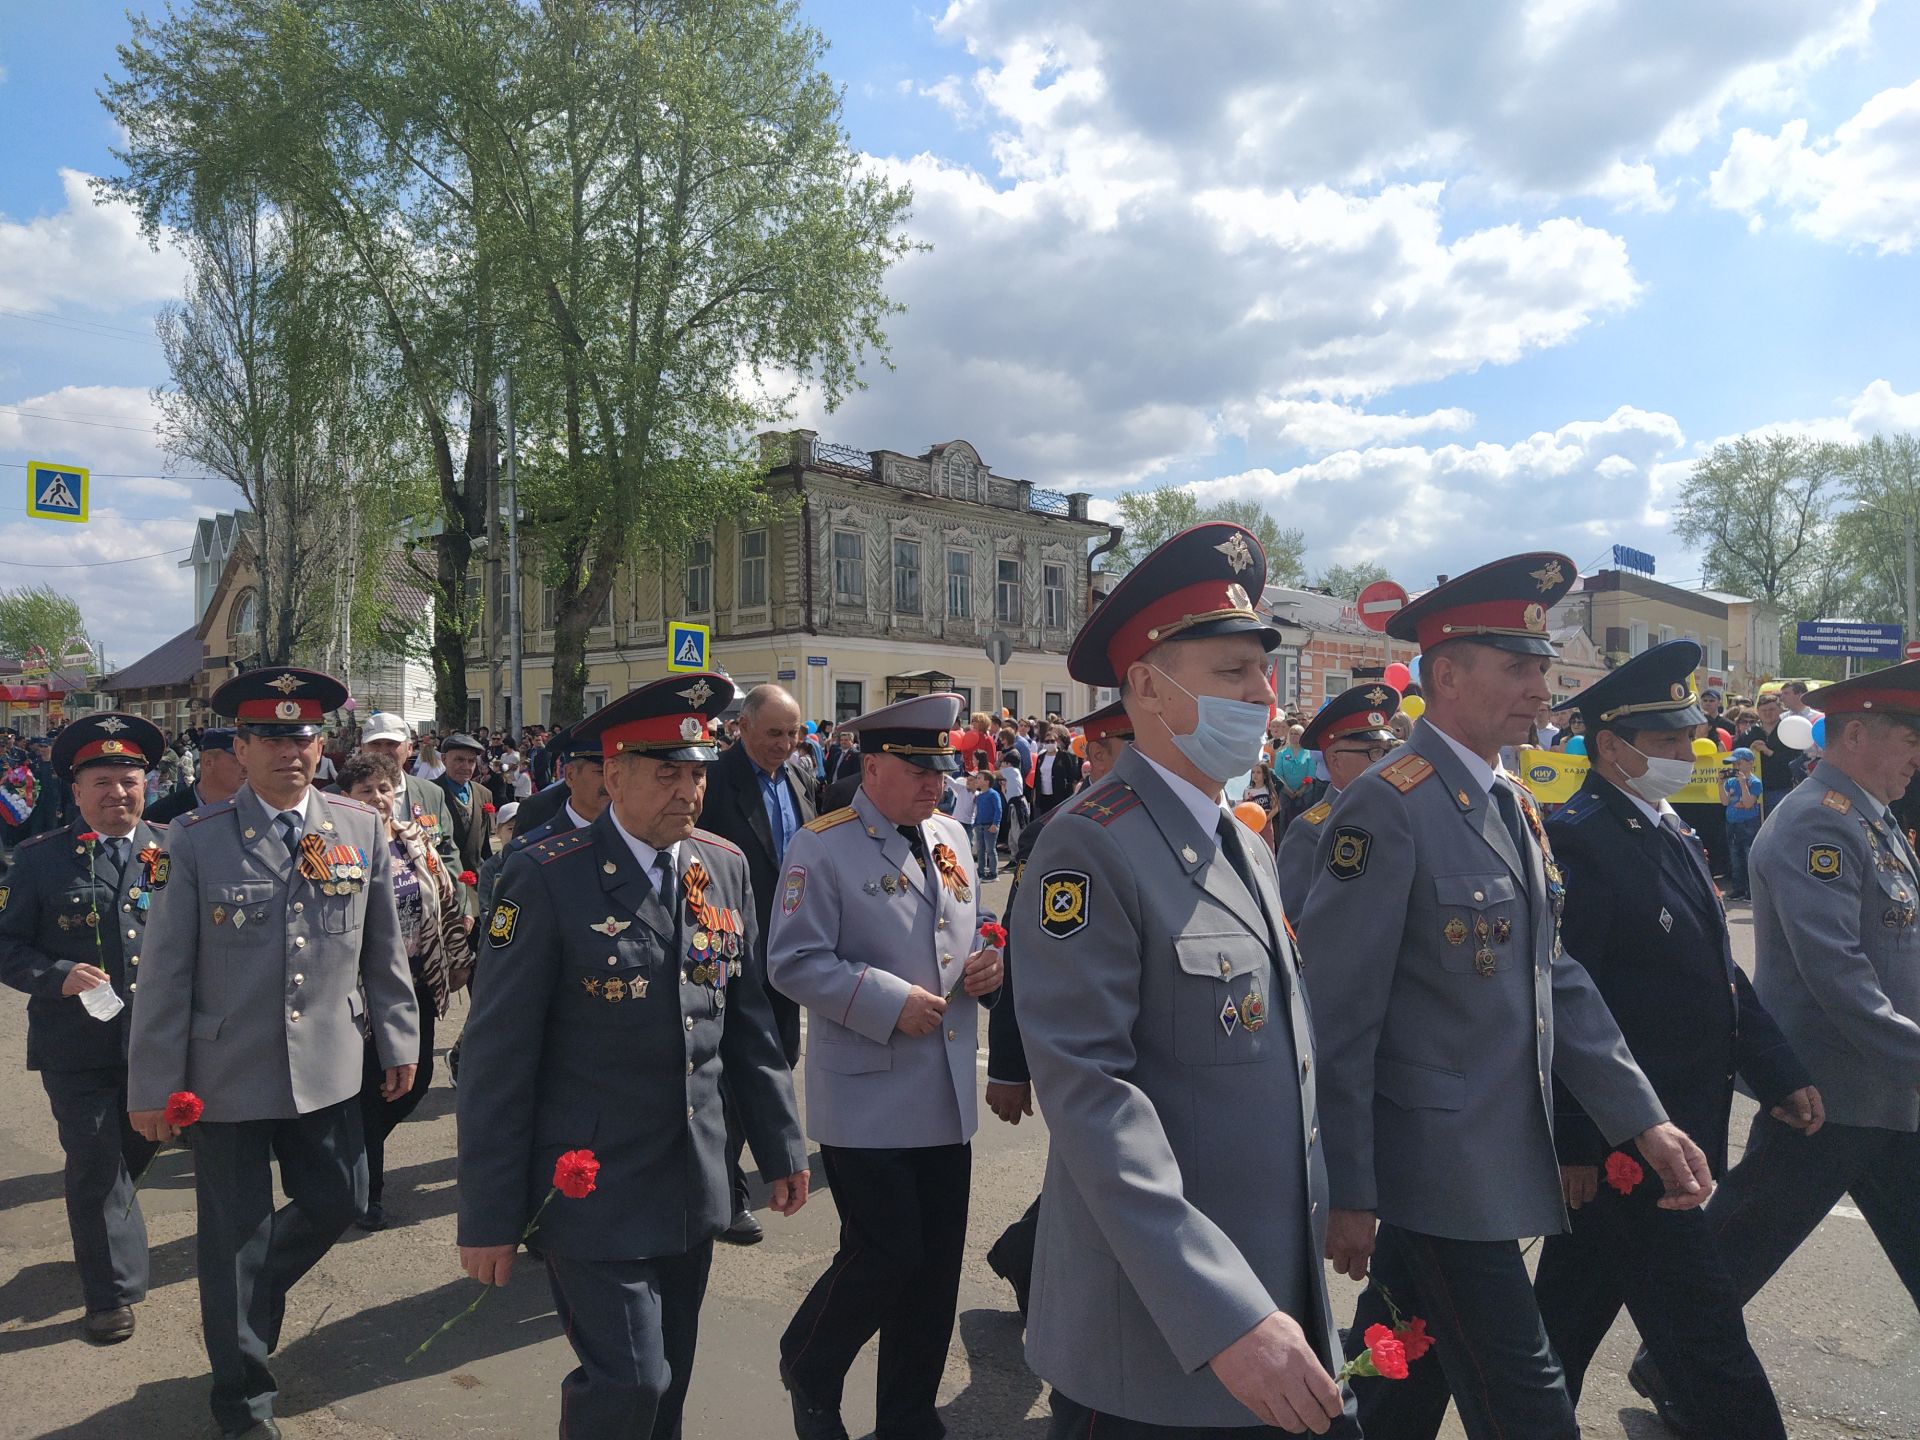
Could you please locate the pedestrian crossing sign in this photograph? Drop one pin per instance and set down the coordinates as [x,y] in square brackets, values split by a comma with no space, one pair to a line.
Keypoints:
[56,492]
[688,646]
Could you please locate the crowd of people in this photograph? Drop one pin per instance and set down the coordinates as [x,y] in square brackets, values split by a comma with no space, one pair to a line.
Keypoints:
[1519,1020]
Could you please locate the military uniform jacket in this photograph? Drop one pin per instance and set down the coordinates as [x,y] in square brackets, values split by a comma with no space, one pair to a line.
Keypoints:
[1006,1052]
[856,924]
[603,1022]
[1644,918]
[1836,949]
[260,988]
[553,825]
[1445,1004]
[1298,851]
[1169,1038]
[63,903]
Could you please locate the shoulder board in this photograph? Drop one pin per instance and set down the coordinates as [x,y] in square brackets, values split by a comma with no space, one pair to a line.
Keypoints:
[718,842]
[347,802]
[1406,772]
[43,838]
[206,812]
[1834,800]
[831,819]
[1583,806]
[554,846]
[1318,812]
[1107,803]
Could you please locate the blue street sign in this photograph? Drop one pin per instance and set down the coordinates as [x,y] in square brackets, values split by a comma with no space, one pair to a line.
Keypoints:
[688,645]
[816,659]
[56,492]
[1861,640]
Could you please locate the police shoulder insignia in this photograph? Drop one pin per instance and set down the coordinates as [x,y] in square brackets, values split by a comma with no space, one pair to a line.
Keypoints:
[1823,861]
[506,915]
[554,846]
[1318,812]
[6,894]
[1348,858]
[831,819]
[793,888]
[1063,902]
[205,812]
[1108,803]
[1834,800]
[1406,772]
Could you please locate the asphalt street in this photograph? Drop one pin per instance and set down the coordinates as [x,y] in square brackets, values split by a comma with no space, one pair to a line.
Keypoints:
[1838,1334]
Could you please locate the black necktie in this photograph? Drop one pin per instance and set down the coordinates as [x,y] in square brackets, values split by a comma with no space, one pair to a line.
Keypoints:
[663,878]
[914,843]
[117,852]
[1509,805]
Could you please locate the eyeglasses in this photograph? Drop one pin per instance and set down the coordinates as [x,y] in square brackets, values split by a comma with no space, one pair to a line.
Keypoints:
[1372,752]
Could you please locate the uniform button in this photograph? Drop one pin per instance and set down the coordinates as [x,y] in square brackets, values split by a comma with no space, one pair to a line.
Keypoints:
[128,907]
[299,979]
[299,907]
[942,925]
[133,934]
[1543,1076]
[1306,1065]
[611,960]
[946,959]
[1314,1208]
[1313,1135]
[689,1022]
[953,1034]
[1479,895]
[689,1112]
[133,987]
[299,942]
[689,1067]
[294,1016]
[133,959]
[1540,1025]
[1226,966]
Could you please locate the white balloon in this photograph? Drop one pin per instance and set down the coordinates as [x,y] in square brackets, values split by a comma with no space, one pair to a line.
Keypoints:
[1796,732]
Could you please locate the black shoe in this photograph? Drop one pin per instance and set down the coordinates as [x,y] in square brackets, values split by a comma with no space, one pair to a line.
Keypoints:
[811,1421]
[1651,1385]
[259,1430]
[109,1327]
[745,1229]
[374,1217]
[998,1262]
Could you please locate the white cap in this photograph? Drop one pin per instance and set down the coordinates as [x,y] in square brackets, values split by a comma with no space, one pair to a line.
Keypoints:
[385,725]
[504,815]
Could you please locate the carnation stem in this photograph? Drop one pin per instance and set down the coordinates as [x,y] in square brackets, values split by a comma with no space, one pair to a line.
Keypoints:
[485,1290]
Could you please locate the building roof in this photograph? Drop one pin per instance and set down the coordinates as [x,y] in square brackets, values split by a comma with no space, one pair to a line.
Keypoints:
[1725,597]
[175,662]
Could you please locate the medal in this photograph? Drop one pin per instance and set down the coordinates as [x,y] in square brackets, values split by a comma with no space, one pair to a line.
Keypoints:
[1253,1011]
[1502,930]
[1229,1016]
[1456,931]
[1484,961]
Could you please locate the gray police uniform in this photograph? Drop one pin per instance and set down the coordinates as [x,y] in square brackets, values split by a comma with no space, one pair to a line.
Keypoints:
[603,1020]
[1298,854]
[261,983]
[857,921]
[1168,1034]
[1445,1007]
[1837,963]
[65,902]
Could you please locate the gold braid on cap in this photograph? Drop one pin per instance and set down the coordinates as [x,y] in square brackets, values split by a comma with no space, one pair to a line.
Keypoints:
[1645,707]
[918,750]
[1187,622]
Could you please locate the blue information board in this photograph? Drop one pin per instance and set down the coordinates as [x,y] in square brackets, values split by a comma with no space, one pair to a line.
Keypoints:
[1861,640]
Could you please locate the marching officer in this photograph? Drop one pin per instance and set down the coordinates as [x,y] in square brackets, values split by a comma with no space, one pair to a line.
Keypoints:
[1177,1286]
[272,948]
[1444,1003]
[1351,733]
[577,803]
[219,777]
[613,994]
[73,912]
[874,934]
[1645,920]
[1107,732]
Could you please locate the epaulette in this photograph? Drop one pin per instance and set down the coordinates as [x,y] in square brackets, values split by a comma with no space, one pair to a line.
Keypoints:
[351,804]
[1583,806]
[718,842]
[206,812]
[1834,800]
[1107,803]
[1406,772]
[1317,813]
[831,819]
[554,846]
[40,839]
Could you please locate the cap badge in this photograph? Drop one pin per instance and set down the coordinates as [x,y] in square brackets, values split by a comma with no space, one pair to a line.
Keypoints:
[1549,575]
[691,729]
[1535,616]
[1376,696]
[1239,554]
[287,710]
[1376,719]
[697,693]
[285,682]
[112,747]
[1238,598]
[1678,690]
[113,725]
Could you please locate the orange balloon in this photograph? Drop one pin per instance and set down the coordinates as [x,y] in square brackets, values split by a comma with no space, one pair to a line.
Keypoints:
[1080,746]
[1251,816]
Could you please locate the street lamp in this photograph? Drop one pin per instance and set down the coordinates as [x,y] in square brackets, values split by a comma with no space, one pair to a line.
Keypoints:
[1908,520]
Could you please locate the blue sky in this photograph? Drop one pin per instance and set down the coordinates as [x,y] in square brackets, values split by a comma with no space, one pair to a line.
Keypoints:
[1432,290]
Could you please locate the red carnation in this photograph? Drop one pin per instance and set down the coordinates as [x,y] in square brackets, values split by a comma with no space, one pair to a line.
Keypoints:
[1388,1354]
[89,837]
[184,1108]
[1413,1337]
[1624,1172]
[467,877]
[487,808]
[994,934]
[574,1174]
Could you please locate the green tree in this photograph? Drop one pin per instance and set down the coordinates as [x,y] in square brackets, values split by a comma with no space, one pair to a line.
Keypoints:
[1347,581]
[1148,518]
[1882,479]
[38,615]
[1758,508]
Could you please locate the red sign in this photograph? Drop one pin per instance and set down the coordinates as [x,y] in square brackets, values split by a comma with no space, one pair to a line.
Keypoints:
[1912,650]
[1379,603]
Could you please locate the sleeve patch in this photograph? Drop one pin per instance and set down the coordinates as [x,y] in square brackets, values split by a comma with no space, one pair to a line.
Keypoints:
[792,889]
[506,915]
[1823,861]
[1064,897]
[6,894]
[1347,860]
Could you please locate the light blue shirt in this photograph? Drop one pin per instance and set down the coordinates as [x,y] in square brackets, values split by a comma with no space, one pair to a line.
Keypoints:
[782,818]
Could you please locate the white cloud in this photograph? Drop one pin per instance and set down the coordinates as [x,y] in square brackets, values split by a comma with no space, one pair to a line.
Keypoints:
[1633,187]
[1323,425]
[1880,410]
[84,254]
[1858,186]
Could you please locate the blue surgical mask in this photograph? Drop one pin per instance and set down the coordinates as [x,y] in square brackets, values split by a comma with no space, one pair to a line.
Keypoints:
[1228,736]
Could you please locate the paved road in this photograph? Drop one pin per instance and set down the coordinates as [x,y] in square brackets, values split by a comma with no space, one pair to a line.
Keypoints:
[1838,1333]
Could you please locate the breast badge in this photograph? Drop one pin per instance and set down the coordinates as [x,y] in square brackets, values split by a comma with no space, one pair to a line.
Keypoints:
[1063,902]
[1823,862]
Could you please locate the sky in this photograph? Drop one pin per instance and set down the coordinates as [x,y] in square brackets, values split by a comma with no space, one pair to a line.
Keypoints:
[1434,283]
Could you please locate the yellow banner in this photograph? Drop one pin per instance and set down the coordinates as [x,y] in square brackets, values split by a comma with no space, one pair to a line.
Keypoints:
[1553,776]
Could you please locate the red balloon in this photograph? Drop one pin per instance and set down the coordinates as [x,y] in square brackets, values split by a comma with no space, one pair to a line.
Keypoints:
[1399,677]
[1726,740]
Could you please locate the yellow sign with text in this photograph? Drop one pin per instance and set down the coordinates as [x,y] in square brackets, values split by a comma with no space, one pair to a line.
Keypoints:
[1553,776]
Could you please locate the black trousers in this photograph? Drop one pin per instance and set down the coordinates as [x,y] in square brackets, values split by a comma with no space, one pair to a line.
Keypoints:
[1787,1182]
[1664,1267]
[250,1254]
[1012,1253]
[903,1233]
[1490,1355]
[634,1326]
[105,1157]
[1074,1421]
[380,1117]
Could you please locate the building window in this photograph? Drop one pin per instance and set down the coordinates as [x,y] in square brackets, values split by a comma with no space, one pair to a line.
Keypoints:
[1007,592]
[1053,596]
[1666,633]
[965,692]
[847,699]
[700,577]
[1716,654]
[244,618]
[1010,702]
[753,569]
[1054,702]
[1332,685]
[960,584]
[906,577]
[849,567]
[1637,637]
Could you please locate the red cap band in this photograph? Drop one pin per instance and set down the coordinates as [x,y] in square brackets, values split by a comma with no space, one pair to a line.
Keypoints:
[1495,617]
[656,732]
[1872,702]
[1097,730]
[286,712]
[107,749]
[1349,724]
[1172,614]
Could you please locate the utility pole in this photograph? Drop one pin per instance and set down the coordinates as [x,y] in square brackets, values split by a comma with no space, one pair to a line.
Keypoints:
[519,720]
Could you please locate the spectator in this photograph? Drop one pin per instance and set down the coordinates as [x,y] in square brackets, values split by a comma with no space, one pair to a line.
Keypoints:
[1015,814]
[1545,731]
[427,764]
[1055,774]
[987,810]
[1743,796]
[975,745]
[1293,768]
[1576,729]
[1763,738]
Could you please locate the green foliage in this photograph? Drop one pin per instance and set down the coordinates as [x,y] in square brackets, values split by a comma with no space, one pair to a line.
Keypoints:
[39,615]
[1148,518]
[1347,581]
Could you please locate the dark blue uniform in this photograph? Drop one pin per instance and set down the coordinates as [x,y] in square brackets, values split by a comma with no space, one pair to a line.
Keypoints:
[1642,915]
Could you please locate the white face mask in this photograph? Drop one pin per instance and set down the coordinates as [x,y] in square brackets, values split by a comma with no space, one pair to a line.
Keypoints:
[1663,777]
